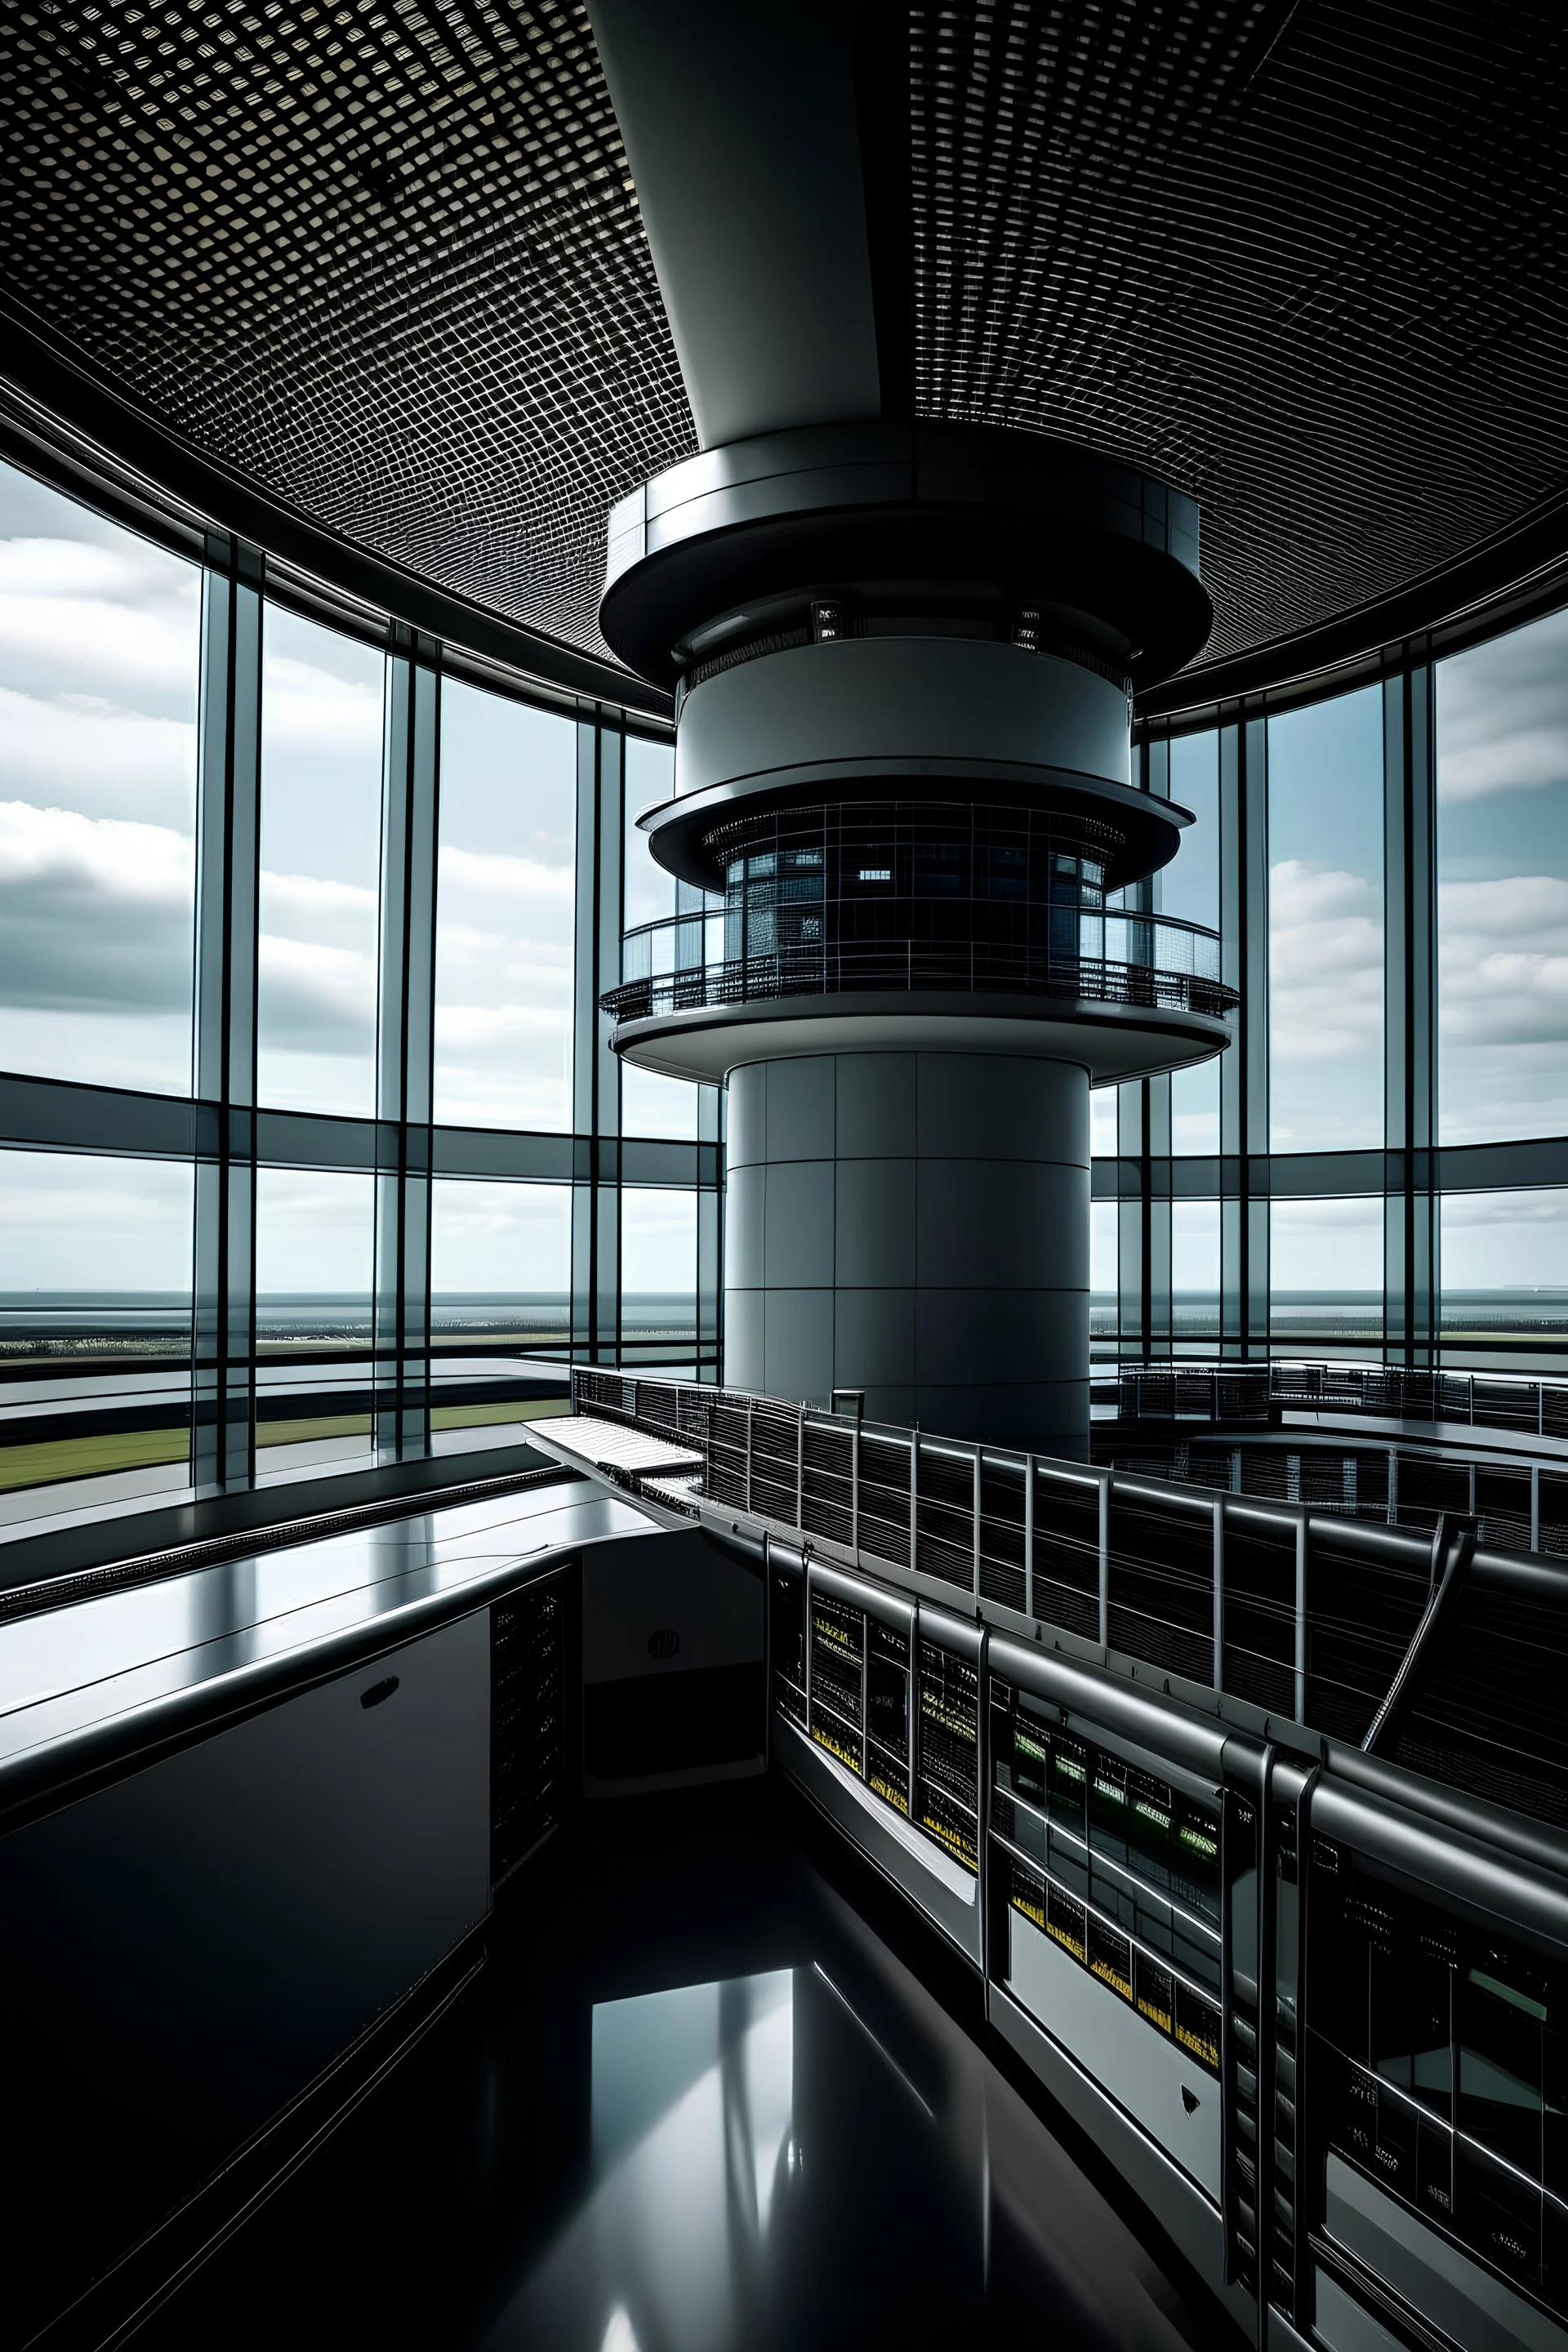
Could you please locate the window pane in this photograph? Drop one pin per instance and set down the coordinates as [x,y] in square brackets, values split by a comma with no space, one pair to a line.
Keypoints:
[505,913]
[1189,886]
[654,1106]
[95,1313]
[501,1266]
[1102,1266]
[321,696]
[100,667]
[1325,1276]
[1194,1271]
[1504,1260]
[1502,886]
[315,1246]
[658,1275]
[1325,925]
[647,891]
[1195,1111]
[1102,1123]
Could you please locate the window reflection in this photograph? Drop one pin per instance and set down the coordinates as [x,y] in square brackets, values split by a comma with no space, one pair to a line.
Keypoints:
[506,911]
[1325,1268]
[1504,1273]
[100,667]
[321,695]
[1325,925]
[658,1275]
[1502,886]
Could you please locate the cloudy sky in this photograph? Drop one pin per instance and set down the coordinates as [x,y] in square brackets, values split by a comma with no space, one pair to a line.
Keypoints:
[499,1237]
[322,708]
[507,909]
[100,662]
[659,1242]
[1502,892]
[1325,925]
[70,1222]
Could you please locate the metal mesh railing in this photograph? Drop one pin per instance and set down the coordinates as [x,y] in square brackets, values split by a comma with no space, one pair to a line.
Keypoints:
[907,966]
[1288,1601]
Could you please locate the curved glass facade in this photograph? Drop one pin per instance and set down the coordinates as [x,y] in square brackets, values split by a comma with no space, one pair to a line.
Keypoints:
[312,1155]
[1384,1166]
[306,922]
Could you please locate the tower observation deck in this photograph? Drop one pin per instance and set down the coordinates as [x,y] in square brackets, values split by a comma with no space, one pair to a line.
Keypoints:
[904,658]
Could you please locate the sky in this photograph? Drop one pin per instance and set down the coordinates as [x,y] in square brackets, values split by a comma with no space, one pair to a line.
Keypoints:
[1502,886]
[1325,925]
[506,912]
[512,1238]
[322,709]
[70,1221]
[658,1241]
[99,664]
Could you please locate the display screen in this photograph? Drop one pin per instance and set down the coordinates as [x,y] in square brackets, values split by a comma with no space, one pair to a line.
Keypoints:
[887,1712]
[787,1634]
[1442,2051]
[949,1737]
[838,1677]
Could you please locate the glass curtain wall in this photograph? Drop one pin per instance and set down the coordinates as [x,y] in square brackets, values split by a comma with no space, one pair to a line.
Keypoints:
[294,918]
[506,909]
[100,680]
[321,715]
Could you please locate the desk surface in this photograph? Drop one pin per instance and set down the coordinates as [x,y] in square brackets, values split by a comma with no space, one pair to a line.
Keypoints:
[206,1641]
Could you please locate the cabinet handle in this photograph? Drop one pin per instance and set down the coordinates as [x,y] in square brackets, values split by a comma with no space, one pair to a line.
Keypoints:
[378,1691]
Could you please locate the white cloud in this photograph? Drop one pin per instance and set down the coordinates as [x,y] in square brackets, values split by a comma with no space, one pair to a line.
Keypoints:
[98,758]
[1503,1008]
[1503,713]
[1325,963]
[95,913]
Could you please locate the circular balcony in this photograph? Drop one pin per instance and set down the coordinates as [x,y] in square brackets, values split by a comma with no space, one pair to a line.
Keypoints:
[1127,995]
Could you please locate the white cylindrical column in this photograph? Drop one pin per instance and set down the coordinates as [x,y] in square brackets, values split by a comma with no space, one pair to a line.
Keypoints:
[914,1225]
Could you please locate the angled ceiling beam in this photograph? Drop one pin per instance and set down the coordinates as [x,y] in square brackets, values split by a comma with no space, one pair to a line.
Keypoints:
[742,128]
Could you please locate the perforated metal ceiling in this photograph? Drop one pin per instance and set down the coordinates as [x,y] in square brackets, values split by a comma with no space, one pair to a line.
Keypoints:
[1309,263]
[384,257]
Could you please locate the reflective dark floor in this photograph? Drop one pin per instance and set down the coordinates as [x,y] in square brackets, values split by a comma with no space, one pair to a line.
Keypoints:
[713,2090]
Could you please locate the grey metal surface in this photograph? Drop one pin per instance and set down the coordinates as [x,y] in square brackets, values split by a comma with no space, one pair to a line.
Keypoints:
[1143,2072]
[107,1675]
[936,1256]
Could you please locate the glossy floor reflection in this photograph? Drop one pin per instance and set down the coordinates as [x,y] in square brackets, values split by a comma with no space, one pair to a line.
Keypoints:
[711,2092]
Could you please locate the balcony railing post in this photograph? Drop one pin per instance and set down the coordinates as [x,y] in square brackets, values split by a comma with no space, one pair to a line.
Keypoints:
[800,1468]
[1105,1485]
[750,1409]
[1219,1592]
[914,1496]
[1302,1617]
[977,1460]
[1028,1535]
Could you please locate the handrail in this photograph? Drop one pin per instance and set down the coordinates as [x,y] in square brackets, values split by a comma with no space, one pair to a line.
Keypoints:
[947,1521]
[1179,1390]
[905,967]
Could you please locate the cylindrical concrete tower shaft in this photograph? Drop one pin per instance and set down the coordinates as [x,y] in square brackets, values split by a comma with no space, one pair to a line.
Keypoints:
[917,922]
[914,1225]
